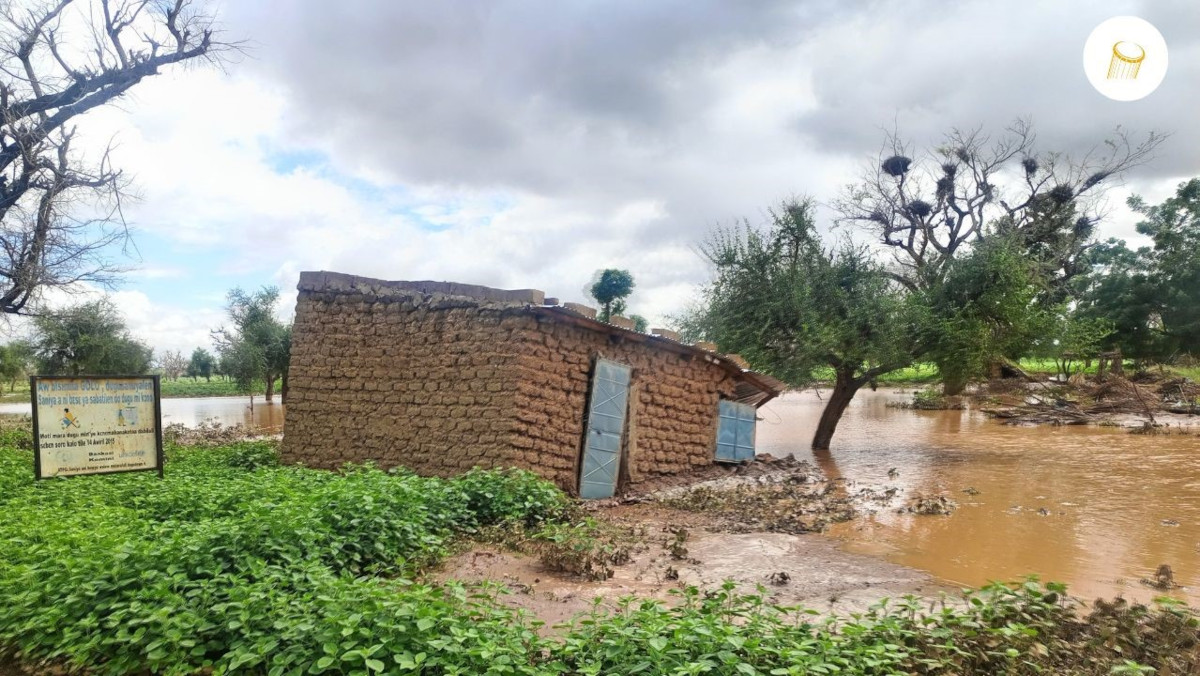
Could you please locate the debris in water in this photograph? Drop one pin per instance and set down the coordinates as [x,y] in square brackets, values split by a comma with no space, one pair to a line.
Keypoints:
[1169,522]
[971,490]
[1044,512]
[779,578]
[893,473]
[788,501]
[936,505]
[1164,579]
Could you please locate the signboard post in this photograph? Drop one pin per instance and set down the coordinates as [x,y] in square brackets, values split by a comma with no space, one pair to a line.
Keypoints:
[96,425]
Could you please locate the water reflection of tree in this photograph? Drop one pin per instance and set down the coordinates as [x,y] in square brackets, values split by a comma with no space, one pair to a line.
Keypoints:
[827,465]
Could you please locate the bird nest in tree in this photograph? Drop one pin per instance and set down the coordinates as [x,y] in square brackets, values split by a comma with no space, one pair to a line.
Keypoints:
[897,165]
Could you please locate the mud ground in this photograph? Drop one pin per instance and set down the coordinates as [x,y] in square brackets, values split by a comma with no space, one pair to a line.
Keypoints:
[776,549]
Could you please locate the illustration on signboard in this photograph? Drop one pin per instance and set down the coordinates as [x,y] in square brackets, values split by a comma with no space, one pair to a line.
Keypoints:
[69,419]
[127,415]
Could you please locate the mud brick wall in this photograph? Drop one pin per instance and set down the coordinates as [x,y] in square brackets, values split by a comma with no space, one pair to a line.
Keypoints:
[389,373]
[672,423]
[443,377]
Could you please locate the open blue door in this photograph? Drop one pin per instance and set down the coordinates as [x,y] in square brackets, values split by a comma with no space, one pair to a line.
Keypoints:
[606,430]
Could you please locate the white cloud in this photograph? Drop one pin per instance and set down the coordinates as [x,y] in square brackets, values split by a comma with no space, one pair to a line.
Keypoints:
[413,141]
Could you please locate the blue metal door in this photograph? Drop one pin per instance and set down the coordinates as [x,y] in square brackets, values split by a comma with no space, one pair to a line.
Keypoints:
[735,431]
[606,430]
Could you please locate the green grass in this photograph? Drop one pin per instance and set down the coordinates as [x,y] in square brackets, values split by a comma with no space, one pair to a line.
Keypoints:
[917,374]
[220,386]
[1192,372]
[233,564]
[925,374]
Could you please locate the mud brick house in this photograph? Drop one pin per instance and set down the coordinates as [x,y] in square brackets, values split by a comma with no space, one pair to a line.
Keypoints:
[441,377]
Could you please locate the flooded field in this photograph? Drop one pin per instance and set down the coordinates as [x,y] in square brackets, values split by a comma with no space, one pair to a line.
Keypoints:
[1095,507]
[192,411]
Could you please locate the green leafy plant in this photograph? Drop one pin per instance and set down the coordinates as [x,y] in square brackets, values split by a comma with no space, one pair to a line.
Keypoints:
[587,548]
[232,564]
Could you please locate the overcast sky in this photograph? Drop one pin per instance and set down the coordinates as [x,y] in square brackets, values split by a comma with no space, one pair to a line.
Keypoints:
[528,144]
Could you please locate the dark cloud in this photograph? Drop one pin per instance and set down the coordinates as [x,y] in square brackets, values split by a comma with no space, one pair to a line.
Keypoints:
[689,113]
[503,93]
[928,66]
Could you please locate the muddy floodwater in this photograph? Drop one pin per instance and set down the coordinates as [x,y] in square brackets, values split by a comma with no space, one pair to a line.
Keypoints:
[192,411]
[1095,507]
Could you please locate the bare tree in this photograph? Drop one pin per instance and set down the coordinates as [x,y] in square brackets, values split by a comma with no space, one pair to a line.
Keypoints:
[173,364]
[60,212]
[927,210]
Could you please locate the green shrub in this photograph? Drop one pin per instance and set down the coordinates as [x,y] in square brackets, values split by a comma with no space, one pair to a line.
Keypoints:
[494,496]
[234,563]
[587,548]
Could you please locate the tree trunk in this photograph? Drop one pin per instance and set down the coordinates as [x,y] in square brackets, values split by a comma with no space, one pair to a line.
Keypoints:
[954,379]
[270,395]
[843,391]
[283,387]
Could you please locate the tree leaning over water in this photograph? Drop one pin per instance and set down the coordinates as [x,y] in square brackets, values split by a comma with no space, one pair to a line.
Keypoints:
[792,307]
[61,209]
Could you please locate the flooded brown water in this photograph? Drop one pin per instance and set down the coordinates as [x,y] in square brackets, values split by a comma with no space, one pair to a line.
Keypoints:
[1095,507]
[192,411]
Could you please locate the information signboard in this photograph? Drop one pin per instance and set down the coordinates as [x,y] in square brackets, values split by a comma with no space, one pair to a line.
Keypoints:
[96,425]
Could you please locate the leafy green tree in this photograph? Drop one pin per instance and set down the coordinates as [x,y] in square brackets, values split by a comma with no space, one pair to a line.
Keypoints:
[201,365]
[610,290]
[16,361]
[258,344]
[1151,296]
[793,308]
[1072,340]
[88,339]
[244,363]
[985,310]
[640,323]
[1119,291]
[1174,274]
